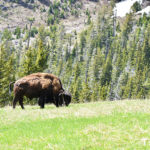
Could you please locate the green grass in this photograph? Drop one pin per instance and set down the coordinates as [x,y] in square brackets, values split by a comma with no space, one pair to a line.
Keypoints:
[114,125]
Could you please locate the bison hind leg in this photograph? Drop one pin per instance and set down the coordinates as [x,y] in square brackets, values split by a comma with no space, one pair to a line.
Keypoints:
[21,103]
[14,102]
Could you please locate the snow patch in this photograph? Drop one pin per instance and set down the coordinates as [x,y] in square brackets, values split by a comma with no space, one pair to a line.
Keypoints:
[124,7]
[145,10]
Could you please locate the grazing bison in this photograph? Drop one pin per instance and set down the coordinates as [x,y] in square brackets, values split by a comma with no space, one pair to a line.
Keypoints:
[31,87]
[47,87]
[56,87]
[60,97]
[44,86]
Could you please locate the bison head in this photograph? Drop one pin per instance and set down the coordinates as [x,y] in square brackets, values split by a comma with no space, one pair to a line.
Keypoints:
[64,98]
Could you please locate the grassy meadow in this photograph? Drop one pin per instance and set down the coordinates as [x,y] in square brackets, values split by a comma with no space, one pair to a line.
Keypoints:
[98,126]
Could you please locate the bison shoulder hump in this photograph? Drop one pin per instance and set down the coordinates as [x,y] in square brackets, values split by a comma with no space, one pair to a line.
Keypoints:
[45,83]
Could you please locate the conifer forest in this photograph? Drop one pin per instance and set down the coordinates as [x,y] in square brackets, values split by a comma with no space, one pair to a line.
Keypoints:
[109,59]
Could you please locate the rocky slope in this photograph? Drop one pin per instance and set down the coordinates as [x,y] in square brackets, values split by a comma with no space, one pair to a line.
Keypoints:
[14,14]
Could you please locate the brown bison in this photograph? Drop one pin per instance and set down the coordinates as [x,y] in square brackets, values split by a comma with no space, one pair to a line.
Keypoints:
[44,86]
[56,87]
[58,96]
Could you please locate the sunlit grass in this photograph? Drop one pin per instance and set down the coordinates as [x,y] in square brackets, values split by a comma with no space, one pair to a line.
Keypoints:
[100,125]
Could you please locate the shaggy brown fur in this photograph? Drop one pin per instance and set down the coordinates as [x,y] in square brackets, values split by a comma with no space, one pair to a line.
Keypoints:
[31,87]
[60,97]
[56,84]
[44,86]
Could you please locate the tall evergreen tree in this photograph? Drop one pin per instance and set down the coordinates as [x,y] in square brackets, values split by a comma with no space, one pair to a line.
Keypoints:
[7,75]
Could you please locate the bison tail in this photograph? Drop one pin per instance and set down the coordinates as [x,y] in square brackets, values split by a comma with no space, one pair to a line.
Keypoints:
[10,86]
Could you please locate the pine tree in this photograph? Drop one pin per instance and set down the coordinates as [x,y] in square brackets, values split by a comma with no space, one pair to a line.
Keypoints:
[94,92]
[7,75]
[146,48]
[28,63]
[103,92]
[76,87]
[85,92]
[42,57]
[106,74]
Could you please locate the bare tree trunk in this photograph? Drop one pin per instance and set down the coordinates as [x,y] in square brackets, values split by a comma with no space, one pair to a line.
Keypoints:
[29,36]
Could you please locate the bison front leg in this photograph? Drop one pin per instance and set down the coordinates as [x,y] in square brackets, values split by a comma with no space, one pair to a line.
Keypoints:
[57,101]
[61,100]
[41,102]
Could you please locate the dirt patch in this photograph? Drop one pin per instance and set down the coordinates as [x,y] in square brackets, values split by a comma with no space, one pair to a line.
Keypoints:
[17,14]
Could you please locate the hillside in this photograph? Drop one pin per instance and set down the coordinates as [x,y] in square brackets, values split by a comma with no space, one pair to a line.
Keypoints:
[97,54]
[93,126]
[17,14]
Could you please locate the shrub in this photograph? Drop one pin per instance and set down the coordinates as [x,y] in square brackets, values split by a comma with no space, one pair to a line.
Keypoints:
[136,7]
[17,32]
[34,31]
[6,35]
[50,20]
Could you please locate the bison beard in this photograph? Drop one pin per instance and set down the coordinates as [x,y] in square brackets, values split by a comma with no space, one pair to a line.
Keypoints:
[44,86]
[64,98]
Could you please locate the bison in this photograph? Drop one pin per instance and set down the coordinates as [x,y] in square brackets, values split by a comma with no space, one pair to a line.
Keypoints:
[56,90]
[47,87]
[44,86]
[31,88]
[59,97]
